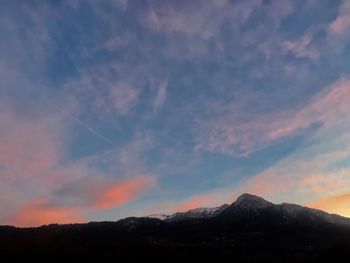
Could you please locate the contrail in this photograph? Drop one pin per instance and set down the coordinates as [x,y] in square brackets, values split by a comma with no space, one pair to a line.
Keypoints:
[86,126]
[93,131]
[77,69]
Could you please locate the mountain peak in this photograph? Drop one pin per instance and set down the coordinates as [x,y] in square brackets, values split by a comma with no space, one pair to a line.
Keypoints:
[251,201]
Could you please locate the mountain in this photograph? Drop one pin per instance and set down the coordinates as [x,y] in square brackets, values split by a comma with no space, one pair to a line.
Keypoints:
[201,212]
[250,229]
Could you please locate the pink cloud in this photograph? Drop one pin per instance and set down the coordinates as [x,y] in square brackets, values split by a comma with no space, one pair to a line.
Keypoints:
[92,195]
[229,136]
[40,211]
[32,166]
[123,192]
[341,24]
[28,148]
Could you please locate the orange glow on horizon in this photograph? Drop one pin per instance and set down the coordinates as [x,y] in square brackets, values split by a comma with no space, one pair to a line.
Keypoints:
[339,204]
[39,212]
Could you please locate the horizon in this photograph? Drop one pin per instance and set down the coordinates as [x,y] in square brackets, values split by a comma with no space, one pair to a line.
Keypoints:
[119,108]
[153,216]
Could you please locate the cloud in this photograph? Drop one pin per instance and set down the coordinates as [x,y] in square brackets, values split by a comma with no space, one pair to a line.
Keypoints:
[37,37]
[195,29]
[301,48]
[192,19]
[122,3]
[98,91]
[73,200]
[341,24]
[31,165]
[339,204]
[320,165]
[110,74]
[228,135]
[119,41]
[124,96]
[160,96]
[123,192]
[299,178]
[32,161]
[28,148]
[325,183]
[39,211]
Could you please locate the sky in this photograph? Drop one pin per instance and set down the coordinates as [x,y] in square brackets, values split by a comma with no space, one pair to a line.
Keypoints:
[116,108]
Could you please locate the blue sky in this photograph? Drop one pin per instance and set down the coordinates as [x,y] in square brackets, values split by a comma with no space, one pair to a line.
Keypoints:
[117,108]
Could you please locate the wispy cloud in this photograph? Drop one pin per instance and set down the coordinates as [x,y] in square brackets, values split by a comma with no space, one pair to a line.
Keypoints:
[124,96]
[88,120]
[320,167]
[160,96]
[229,136]
[32,156]
[301,48]
[341,24]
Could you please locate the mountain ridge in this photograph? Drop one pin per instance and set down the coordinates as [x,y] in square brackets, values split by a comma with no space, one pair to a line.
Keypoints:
[250,229]
[250,201]
[244,201]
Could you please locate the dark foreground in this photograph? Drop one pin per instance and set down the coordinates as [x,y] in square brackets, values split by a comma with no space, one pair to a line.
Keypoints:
[249,230]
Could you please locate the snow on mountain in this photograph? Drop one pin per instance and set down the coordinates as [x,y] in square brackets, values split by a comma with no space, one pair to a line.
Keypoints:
[159,216]
[257,204]
[201,212]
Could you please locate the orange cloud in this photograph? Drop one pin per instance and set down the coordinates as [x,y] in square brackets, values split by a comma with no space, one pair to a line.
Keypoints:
[339,204]
[124,192]
[43,210]
[39,212]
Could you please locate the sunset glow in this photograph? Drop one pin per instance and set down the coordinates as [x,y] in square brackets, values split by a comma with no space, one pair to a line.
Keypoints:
[120,108]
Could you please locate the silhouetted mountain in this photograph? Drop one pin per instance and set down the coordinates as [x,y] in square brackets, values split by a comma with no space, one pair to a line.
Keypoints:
[249,230]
